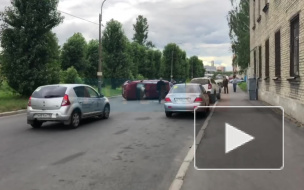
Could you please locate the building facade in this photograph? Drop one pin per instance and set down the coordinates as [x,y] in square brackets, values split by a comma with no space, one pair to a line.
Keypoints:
[277,53]
[221,68]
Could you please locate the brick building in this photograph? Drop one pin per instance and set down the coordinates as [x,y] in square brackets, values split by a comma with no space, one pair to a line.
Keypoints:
[277,53]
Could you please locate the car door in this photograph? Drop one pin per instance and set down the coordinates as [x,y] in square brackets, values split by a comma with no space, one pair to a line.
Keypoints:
[96,101]
[83,100]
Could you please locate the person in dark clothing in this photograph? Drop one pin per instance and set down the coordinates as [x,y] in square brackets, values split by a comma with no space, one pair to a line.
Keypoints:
[225,85]
[159,87]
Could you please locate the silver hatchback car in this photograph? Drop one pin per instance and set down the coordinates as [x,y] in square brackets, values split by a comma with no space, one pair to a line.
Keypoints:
[66,103]
[186,98]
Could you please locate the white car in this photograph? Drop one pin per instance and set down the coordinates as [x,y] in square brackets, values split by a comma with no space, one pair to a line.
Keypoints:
[212,88]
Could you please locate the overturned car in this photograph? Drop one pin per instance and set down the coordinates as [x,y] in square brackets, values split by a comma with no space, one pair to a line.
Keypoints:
[143,89]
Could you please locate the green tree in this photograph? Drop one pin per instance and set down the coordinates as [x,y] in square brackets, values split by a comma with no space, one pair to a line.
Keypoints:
[172,54]
[92,57]
[28,46]
[70,76]
[196,67]
[115,52]
[74,53]
[141,29]
[239,22]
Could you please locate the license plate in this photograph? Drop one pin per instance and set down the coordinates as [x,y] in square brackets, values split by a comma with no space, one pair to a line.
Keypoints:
[42,115]
[181,100]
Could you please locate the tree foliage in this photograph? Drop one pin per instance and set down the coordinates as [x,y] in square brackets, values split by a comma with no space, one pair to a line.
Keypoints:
[115,52]
[70,76]
[74,53]
[196,67]
[30,49]
[238,21]
[141,29]
[92,57]
[172,54]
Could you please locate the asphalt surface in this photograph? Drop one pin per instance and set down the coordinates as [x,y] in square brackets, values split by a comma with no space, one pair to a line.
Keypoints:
[136,148]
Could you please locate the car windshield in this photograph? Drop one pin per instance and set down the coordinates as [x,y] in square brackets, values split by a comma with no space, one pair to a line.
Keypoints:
[49,92]
[200,81]
[185,89]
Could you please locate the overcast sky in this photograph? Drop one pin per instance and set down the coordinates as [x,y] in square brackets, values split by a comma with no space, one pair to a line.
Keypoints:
[198,26]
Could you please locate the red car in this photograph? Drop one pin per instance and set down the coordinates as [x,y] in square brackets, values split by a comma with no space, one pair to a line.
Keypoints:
[142,89]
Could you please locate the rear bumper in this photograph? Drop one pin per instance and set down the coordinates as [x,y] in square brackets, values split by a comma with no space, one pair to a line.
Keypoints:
[61,115]
[170,107]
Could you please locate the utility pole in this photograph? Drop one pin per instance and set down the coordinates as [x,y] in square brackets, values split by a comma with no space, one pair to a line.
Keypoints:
[99,73]
[172,65]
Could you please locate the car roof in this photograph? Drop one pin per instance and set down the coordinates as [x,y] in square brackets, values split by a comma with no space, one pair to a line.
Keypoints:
[201,78]
[66,85]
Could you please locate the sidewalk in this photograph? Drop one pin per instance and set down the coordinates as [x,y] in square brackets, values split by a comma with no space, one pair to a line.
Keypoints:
[291,177]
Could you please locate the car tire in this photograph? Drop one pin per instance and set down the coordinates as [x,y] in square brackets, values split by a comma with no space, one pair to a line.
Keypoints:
[169,114]
[106,112]
[36,124]
[75,120]
[213,98]
[219,96]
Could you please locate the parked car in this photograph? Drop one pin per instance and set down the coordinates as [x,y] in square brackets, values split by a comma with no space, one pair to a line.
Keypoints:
[144,89]
[211,87]
[66,103]
[185,98]
[238,80]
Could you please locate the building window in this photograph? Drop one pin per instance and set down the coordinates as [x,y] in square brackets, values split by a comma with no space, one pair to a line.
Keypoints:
[255,65]
[278,54]
[259,11]
[267,59]
[266,7]
[294,45]
[260,62]
[253,15]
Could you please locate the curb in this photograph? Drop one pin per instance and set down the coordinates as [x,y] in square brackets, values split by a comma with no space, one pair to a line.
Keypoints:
[3,114]
[12,113]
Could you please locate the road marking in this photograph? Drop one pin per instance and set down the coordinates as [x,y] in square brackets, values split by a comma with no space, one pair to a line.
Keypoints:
[180,176]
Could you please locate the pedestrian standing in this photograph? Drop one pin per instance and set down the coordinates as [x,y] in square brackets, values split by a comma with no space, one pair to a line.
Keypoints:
[159,87]
[234,82]
[225,85]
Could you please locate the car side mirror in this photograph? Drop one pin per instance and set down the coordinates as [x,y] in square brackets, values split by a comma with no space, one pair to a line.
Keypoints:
[101,96]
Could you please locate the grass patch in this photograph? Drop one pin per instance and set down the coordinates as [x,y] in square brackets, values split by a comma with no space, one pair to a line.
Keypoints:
[108,91]
[11,101]
[243,86]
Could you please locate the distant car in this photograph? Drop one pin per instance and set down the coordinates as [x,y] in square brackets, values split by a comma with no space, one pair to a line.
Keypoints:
[238,80]
[212,88]
[142,89]
[66,103]
[185,98]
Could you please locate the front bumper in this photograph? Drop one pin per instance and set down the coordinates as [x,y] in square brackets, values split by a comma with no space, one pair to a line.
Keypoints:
[170,107]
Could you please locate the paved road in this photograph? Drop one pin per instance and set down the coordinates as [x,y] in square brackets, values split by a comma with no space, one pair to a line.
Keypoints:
[137,148]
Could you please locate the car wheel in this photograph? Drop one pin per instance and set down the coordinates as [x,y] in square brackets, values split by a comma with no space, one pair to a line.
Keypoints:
[75,120]
[36,124]
[219,96]
[169,114]
[213,98]
[106,112]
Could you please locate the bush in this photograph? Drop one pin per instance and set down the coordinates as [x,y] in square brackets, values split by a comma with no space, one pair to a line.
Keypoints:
[140,77]
[70,76]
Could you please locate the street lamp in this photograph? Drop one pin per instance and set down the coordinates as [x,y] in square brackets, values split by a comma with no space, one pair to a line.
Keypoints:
[99,73]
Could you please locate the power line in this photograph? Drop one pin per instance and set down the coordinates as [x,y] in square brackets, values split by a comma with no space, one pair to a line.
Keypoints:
[79,18]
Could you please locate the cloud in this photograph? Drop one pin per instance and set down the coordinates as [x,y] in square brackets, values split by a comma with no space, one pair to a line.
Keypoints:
[198,26]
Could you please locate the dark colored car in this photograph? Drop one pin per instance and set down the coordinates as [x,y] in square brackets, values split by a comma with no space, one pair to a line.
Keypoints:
[142,89]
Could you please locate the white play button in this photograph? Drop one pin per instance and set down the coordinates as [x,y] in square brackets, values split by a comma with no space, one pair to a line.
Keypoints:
[235,138]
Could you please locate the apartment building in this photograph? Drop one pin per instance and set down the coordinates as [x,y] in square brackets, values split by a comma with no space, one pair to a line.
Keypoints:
[277,53]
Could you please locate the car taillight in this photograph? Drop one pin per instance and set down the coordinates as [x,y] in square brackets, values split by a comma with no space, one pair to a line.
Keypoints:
[198,100]
[167,100]
[29,102]
[65,101]
[209,86]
